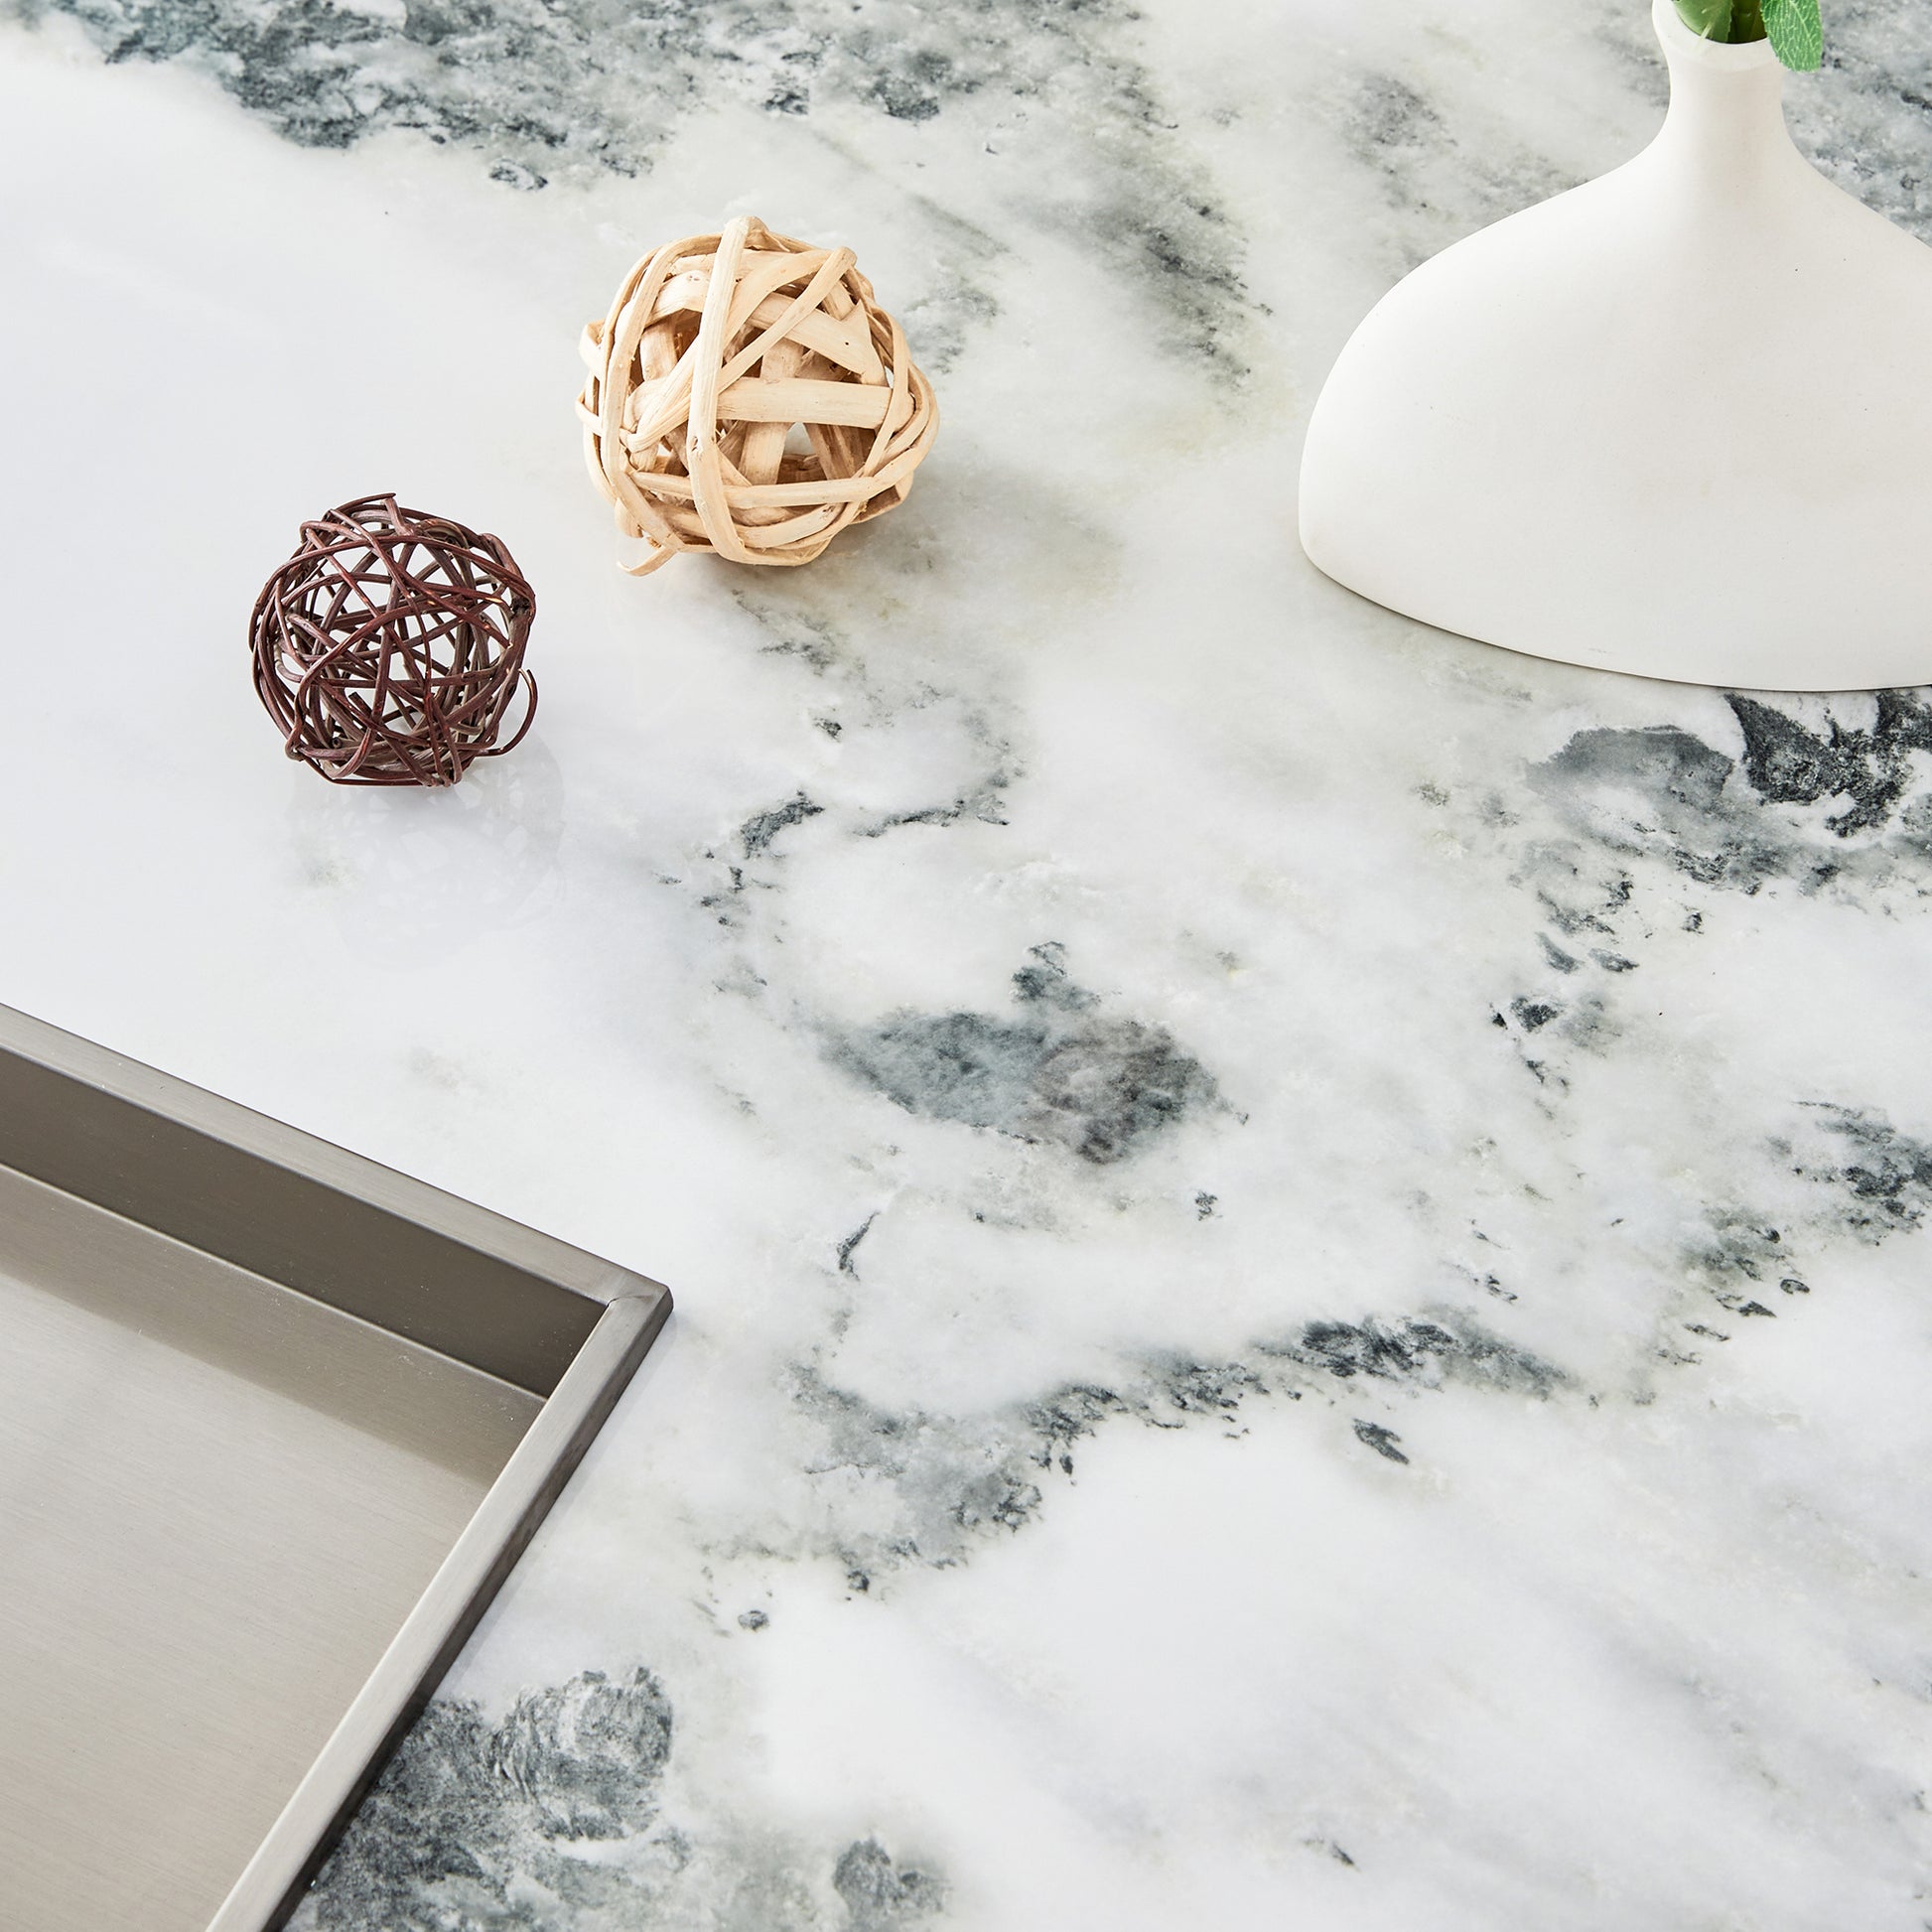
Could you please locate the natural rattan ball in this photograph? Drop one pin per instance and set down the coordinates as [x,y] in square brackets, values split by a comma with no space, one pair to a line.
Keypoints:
[389,649]
[748,395]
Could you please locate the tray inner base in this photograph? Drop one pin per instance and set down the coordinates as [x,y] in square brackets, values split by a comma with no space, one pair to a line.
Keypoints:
[218,1501]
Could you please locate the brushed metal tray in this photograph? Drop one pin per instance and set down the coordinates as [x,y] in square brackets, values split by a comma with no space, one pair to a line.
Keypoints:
[275,1422]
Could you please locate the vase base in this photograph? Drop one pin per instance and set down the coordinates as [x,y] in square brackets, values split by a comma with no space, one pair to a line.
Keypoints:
[1678,660]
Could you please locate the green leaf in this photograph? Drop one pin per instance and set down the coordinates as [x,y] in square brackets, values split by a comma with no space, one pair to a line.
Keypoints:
[1710,18]
[1796,35]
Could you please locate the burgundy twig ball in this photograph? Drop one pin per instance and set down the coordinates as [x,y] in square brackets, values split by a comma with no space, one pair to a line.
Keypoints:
[389,649]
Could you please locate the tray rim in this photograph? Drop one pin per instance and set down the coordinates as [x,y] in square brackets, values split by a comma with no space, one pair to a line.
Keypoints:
[274,1880]
[628,1310]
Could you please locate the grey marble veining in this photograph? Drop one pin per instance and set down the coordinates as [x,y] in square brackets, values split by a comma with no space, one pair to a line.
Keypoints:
[1300,1245]
[541,92]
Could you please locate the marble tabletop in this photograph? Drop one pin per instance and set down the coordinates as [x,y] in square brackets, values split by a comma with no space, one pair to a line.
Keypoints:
[1300,1244]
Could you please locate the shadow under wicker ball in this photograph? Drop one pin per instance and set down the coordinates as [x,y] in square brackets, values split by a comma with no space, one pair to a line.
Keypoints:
[389,647]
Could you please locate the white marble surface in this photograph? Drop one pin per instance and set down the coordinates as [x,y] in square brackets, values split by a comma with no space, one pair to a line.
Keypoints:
[1380,1383]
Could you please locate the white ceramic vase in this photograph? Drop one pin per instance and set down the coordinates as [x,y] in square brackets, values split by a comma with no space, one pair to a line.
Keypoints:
[1676,421]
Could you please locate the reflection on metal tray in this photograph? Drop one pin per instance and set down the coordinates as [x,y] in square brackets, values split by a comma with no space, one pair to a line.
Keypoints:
[274,1424]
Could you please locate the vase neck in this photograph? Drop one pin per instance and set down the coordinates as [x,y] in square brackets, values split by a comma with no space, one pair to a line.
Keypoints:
[1726,104]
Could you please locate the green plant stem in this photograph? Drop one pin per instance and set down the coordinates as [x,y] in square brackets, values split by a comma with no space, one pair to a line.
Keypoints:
[1732,21]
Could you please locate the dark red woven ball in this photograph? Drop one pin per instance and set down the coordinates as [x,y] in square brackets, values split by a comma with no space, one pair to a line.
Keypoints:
[389,649]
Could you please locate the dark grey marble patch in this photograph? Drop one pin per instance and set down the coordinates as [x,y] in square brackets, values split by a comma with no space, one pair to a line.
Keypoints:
[1787,763]
[551,1821]
[465,1810]
[880,1896]
[1664,794]
[1658,791]
[725,880]
[959,1480]
[848,1247]
[1867,1180]
[1533,1015]
[758,831]
[1382,1440]
[984,801]
[1057,1071]
[802,634]
[1738,1257]
[1882,1178]
[587,1756]
[1428,1353]
[547,91]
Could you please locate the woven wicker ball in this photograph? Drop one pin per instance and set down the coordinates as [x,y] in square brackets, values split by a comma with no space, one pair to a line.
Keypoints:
[748,396]
[389,649]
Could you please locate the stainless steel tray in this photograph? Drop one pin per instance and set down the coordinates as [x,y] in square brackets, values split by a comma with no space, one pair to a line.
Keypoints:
[275,1422]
